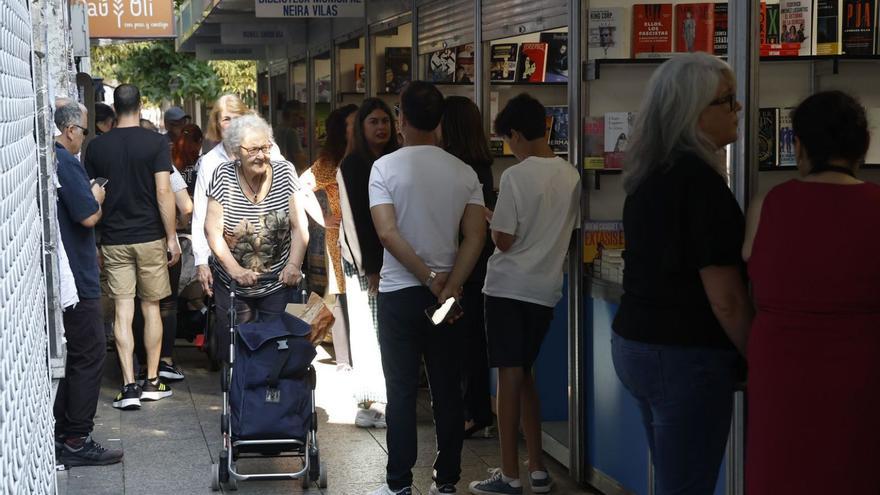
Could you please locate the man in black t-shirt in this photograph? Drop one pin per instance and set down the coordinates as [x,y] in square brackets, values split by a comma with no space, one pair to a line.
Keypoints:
[137,235]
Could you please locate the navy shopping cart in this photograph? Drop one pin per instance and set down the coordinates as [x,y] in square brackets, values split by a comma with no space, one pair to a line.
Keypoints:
[268,399]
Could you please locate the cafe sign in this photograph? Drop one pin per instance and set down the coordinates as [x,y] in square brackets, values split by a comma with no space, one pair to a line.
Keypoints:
[130,19]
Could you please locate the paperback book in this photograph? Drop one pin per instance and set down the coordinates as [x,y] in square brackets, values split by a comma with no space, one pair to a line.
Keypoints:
[786,139]
[772,34]
[504,59]
[720,35]
[796,23]
[557,56]
[594,142]
[441,66]
[828,27]
[694,27]
[558,135]
[533,62]
[397,68]
[600,240]
[608,33]
[652,30]
[859,27]
[768,137]
[464,64]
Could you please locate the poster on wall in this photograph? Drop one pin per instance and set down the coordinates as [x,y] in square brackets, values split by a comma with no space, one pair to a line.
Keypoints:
[328,9]
[130,19]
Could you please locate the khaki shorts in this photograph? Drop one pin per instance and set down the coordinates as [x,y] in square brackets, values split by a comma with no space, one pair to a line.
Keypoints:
[141,266]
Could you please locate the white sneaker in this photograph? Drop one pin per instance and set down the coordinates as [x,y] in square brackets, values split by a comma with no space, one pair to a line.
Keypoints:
[370,418]
[384,490]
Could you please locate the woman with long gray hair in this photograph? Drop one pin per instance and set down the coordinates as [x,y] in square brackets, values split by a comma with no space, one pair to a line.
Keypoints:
[685,311]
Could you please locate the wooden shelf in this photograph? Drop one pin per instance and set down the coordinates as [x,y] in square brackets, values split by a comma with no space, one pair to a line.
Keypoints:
[834,59]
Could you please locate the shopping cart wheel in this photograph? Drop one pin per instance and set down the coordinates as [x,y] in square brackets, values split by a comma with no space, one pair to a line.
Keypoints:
[223,467]
[215,477]
[322,476]
[306,482]
[232,484]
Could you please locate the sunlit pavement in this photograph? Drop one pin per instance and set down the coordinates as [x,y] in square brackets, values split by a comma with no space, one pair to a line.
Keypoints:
[170,444]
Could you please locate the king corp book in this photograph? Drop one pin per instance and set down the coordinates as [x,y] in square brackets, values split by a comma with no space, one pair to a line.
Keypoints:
[608,33]
[652,30]
[694,27]
[859,27]
[796,23]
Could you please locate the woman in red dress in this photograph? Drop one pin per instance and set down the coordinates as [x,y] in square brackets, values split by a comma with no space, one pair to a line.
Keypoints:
[814,350]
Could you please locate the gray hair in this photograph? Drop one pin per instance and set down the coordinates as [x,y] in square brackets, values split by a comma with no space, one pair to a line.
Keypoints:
[241,127]
[667,125]
[67,115]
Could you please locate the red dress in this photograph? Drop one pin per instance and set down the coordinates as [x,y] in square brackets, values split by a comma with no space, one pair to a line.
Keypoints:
[814,349]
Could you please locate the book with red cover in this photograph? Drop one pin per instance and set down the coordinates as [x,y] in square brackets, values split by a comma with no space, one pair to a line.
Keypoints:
[694,27]
[532,62]
[652,30]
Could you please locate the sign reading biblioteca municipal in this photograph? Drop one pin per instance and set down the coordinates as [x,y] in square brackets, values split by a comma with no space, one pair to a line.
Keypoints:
[310,8]
[128,19]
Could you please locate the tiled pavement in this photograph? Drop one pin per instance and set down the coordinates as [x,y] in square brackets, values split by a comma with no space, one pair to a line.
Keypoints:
[169,445]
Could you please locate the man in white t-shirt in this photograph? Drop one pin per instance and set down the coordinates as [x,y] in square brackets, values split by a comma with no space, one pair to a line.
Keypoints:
[538,208]
[422,199]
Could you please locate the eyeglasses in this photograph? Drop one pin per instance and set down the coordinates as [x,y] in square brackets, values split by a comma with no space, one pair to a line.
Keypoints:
[729,100]
[84,129]
[252,152]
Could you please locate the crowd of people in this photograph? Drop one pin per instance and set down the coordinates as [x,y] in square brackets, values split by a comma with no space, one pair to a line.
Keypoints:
[399,214]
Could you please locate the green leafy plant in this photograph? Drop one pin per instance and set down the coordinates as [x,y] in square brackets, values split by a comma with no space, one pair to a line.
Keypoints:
[163,74]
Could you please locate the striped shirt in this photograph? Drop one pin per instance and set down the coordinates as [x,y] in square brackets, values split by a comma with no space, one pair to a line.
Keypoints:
[258,235]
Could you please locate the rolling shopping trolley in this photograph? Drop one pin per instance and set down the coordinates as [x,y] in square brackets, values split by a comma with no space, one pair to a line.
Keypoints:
[268,390]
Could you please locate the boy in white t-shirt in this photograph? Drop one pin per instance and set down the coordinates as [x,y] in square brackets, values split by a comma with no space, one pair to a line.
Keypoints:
[538,208]
[421,199]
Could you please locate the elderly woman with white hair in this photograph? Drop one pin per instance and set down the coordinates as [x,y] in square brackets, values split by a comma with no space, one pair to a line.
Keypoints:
[685,311]
[255,224]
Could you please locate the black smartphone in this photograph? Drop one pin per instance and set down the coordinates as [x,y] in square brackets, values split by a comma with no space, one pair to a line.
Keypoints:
[101,181]
[440,313]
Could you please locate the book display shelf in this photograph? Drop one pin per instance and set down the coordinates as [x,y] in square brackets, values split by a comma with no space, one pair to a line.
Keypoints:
[351,76]
[533,63]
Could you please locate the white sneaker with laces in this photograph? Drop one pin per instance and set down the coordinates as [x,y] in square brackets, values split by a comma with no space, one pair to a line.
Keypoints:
[384,490]
[370,418]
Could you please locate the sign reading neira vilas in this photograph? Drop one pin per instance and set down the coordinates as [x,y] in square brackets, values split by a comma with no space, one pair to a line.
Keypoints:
[310,8]
[131,18]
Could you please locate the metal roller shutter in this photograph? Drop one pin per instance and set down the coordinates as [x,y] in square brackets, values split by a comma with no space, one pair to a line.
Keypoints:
[506,18]
[445,23]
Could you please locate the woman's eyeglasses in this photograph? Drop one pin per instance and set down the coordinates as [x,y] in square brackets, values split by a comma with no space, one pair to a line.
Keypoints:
[729,100]
[252,152]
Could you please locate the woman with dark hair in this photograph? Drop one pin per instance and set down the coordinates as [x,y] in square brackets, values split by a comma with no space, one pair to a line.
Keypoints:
[185,154]
[325,275]
[462,135]
[814,348]
[374,136]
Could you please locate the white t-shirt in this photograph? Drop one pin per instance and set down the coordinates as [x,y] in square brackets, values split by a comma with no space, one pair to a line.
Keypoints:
[429,189]
[539,203]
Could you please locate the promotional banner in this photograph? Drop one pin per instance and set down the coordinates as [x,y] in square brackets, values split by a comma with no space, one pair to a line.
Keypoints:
[310,8]
[130,19]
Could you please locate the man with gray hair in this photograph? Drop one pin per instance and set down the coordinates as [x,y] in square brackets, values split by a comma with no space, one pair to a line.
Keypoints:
[79,209]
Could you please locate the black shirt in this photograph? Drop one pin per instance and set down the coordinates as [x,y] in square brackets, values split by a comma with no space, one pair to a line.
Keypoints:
[678,221]
[484,175]
[129,157]
[76,203]
[356,175]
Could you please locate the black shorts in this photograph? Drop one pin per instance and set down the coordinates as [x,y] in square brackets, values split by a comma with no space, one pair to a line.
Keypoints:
[514,331]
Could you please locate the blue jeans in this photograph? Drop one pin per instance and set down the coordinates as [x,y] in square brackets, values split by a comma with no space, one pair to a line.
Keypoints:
[685,395]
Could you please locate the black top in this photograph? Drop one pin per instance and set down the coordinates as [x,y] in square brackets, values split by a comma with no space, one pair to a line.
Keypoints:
[484,175]
[356,175]
[678,221]
[76,203]
[129,157]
